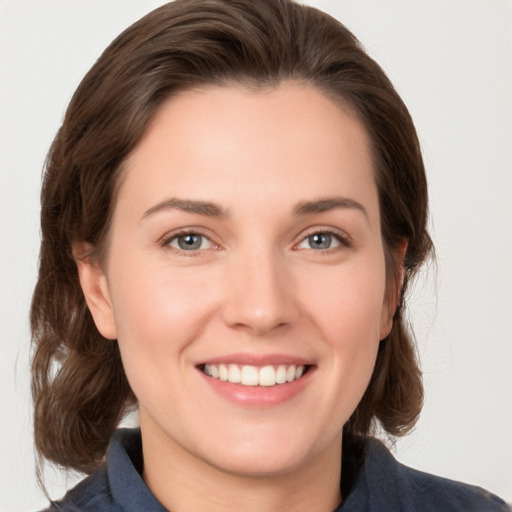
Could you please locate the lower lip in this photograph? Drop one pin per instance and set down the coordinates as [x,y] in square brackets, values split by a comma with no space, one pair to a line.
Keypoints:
[258,396]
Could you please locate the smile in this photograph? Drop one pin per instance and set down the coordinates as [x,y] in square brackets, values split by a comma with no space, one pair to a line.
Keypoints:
[248,375]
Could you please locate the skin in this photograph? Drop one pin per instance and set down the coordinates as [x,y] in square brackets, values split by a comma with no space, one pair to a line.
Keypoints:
[257,287]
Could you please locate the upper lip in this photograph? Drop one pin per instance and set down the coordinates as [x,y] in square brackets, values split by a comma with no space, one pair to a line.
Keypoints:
[257,360]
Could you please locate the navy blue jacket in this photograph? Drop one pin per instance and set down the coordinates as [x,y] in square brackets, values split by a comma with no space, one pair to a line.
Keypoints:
[381,484]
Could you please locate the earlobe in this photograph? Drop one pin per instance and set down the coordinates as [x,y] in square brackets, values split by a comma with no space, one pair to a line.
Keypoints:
[393,296]
[402,249]
[386,323]
[93,282]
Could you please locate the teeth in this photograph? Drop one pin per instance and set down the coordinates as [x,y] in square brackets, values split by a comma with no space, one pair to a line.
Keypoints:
[281,374]
[267,376]
[223,372]
[254,376]
[249,376]
[234,375]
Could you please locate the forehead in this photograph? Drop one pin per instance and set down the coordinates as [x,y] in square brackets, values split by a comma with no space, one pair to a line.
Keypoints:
[216,141]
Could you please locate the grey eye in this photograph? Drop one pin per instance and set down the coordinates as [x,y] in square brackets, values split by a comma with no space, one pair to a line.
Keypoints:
[320,241]
[189,242]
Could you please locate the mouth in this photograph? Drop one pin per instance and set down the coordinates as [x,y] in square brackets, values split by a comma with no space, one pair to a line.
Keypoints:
[248,375]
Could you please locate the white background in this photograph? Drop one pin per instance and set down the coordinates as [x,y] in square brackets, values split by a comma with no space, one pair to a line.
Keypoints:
[452,62]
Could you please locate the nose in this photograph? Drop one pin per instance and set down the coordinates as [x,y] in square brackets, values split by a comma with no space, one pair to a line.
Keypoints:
[261,296]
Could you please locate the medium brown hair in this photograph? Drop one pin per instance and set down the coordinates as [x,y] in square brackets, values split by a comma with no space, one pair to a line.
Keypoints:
[79,387]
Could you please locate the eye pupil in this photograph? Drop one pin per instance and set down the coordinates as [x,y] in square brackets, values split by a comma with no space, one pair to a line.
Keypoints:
[320,241]
[189,242]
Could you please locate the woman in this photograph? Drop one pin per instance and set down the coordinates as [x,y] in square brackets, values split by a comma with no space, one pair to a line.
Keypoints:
[231,213]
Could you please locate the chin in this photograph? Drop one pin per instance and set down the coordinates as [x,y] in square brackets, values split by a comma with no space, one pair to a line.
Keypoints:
[259,465]
[265,454]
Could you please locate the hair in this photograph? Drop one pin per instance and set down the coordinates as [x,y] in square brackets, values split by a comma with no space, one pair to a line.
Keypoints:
[79,386]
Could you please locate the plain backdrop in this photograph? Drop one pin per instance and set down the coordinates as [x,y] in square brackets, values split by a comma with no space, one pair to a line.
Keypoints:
[451,62]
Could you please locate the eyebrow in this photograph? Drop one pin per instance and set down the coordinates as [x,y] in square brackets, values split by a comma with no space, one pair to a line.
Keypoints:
[329,203]
[186,205]
[209,209]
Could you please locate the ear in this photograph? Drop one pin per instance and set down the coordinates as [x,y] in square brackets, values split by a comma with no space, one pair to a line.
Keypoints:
[93,281]
[393,292]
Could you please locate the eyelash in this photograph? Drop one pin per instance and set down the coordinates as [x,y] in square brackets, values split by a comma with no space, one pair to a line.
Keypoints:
[343,240]
[166,241]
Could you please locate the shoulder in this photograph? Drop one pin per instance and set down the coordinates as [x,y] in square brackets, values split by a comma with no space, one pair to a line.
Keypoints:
[444,494]
[90,495]
[384,484]
[117,486]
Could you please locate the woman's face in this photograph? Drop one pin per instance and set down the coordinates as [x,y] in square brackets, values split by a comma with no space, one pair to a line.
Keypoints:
[246,245]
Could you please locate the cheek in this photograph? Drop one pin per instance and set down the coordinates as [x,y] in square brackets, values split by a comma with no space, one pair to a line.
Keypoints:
[348,316]
[159,314]
[348,304]
[160,311]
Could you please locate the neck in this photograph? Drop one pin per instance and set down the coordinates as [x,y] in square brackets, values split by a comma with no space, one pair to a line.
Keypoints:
[185,483]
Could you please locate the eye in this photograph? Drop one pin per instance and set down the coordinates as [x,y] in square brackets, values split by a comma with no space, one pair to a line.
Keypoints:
[322,241]
[189,242]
